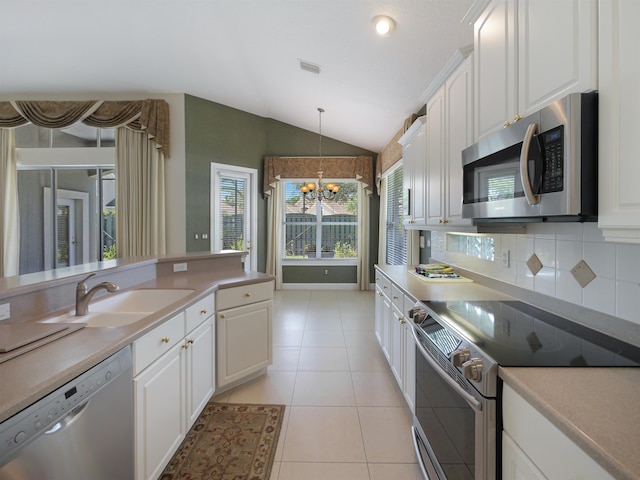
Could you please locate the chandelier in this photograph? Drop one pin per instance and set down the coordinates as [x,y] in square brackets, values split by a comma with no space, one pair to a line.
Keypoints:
[318,190]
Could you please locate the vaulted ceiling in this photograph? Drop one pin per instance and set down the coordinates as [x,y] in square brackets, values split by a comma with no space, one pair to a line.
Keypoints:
[241,53]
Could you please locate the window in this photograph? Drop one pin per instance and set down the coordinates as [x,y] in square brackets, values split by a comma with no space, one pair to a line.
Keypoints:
[77,135]
[478,246]
[320,230]
[395,233]
[66,196]
[67,216]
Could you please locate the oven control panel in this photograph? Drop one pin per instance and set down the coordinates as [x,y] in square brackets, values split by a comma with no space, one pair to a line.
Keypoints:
[473,364]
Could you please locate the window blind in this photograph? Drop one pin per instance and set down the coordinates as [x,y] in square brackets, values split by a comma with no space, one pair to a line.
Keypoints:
[396,235]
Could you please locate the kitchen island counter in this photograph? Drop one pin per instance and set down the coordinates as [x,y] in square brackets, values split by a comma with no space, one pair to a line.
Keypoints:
[30,376]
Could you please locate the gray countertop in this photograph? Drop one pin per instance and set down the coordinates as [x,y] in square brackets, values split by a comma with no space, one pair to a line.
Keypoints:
[595,407]
[28,377]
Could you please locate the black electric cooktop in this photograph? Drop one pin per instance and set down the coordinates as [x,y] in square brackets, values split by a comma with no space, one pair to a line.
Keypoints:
[516,334]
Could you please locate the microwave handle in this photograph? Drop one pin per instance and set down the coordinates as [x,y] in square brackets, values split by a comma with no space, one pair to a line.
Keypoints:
[524,165]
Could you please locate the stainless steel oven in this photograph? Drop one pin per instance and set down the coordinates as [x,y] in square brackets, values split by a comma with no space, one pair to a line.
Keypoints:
[454,428]
[460,345]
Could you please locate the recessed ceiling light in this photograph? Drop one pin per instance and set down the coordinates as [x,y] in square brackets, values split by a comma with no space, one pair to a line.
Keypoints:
[384,25]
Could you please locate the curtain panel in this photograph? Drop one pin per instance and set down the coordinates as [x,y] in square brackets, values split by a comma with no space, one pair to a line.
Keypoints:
[9,216]
[150,116]
[140,198]
[392,153]
[359,168]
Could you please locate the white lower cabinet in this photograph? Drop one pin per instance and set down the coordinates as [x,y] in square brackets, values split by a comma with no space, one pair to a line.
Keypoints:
[243,332]
[159,394]
[393,330]
[174,378]
[534,448]
[409,376]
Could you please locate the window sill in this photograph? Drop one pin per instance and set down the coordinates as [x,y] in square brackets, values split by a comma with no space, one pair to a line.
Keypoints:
[320,261]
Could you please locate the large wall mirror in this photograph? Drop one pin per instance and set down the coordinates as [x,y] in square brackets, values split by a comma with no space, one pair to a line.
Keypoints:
[66,196]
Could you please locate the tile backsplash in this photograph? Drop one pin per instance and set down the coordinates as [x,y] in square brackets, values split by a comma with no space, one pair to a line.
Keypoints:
[561,247]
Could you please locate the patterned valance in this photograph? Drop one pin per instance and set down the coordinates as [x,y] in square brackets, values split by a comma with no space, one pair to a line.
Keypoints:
[358,168]
[151,116]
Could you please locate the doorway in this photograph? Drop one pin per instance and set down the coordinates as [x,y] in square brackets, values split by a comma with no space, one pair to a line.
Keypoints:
[233,210]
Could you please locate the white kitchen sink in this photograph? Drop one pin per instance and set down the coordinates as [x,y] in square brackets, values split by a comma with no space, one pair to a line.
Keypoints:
[120,309]
[100,319]
[142,300]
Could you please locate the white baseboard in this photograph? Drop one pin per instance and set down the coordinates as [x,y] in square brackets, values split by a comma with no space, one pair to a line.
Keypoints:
[319,286]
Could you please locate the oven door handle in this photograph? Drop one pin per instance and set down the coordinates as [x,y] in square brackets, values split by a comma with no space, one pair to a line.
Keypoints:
[473,403]
[524,165]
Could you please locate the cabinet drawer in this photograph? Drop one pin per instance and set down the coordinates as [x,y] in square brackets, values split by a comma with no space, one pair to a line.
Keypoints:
[397,297]
[157,342]
[198,312]
[238,296]
[384,283]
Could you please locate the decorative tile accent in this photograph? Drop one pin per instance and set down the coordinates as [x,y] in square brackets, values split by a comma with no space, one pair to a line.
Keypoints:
[534,264]
[583,273]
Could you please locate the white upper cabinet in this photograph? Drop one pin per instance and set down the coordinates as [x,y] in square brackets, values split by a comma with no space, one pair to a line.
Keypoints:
[436,158]
[619,122]
[495,67]
[449,131]
[530,53]
[414,161]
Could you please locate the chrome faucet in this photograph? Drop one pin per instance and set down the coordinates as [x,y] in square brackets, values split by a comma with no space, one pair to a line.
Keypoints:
[83,297]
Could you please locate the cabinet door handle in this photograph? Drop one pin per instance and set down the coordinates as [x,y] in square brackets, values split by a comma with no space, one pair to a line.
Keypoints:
[506,124]
[247,295]
[385,286]
[395,297]
[165,339]
[203,311]
[185,346]
[190,341]
[517,118]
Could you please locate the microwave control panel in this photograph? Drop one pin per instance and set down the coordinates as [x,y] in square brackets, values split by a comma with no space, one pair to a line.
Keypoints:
[553,154]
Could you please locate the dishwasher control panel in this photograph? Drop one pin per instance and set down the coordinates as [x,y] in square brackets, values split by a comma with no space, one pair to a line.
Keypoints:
[48,414]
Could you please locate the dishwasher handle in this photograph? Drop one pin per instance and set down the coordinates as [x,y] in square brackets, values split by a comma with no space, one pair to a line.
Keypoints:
[60,425]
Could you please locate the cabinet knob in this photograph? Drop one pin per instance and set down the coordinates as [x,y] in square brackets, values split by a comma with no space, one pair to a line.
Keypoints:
[190,341]
[185,346]
[395,297]
[516,118]
[506,124]
[203,311]
[247,294]
[402,321]
[165,339]
[222,315]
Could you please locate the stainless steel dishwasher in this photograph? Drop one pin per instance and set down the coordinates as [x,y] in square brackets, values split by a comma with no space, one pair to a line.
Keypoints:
[83,430]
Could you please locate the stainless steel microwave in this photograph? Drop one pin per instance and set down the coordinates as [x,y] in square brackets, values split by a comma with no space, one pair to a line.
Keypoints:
[541,168]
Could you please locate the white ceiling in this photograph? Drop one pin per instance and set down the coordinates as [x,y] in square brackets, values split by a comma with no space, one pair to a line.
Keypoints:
[240,53]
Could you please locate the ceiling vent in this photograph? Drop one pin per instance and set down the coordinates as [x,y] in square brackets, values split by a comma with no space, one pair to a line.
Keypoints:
[309,67]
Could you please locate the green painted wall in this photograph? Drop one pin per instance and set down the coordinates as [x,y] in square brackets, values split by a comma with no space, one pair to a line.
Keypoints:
[217,133]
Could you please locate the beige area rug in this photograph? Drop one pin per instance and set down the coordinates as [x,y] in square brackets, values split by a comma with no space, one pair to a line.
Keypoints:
[229,441]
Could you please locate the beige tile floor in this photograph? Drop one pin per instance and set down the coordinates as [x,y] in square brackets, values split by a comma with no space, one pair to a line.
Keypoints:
[346,417]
